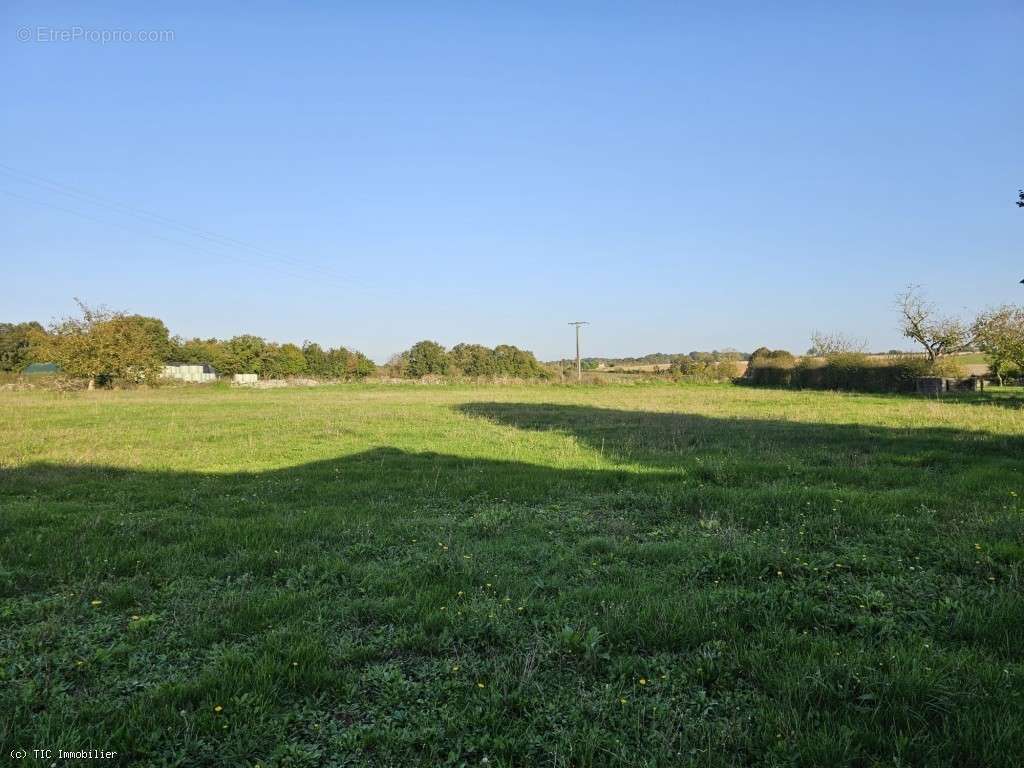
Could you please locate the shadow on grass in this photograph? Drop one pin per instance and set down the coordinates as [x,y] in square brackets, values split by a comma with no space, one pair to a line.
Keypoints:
[673,439]
[1013,399]
[336,589]
[1003,397]
[651,469]
[682,448]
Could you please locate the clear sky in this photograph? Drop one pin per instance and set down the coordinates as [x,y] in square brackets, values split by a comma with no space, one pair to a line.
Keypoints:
[682,175]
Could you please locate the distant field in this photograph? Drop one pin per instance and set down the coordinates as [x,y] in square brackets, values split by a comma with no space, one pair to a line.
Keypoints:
[535,576]
[971,363]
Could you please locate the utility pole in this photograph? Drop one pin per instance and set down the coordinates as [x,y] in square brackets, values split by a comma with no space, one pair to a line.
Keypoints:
[579,366]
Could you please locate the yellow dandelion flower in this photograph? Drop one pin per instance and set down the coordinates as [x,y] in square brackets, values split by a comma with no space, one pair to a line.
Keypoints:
[480,685]
[96,602]
[218,708]
[642,681]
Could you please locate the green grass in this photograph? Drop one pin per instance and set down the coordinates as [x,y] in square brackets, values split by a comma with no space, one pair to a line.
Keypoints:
[536,575]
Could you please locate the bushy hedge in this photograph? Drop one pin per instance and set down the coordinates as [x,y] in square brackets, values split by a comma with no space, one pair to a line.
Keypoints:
[850,372]
[253,354]
[467,360]
[704,370]
[771,368]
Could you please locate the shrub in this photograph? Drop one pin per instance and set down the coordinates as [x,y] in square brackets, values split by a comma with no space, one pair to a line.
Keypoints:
[282,361]
[515,362]
[336,363]
[729,370]
[424,358]
[704,368]
[242,354]
[16,342]
[850,371]
[771,368]
[472,360]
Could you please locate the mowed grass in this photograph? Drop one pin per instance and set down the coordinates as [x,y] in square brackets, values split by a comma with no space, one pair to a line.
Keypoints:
[527,576]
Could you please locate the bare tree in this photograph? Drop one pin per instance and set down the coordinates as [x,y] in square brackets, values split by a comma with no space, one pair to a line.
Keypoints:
[831,344]
[920,320]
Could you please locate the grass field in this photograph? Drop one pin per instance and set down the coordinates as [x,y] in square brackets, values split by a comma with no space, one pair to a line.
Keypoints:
[534,576]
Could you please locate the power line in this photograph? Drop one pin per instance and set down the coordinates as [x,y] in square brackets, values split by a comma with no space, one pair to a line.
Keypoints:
[223,241]
[177,243]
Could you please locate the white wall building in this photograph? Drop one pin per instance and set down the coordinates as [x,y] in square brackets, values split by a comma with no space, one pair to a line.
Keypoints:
[192,373]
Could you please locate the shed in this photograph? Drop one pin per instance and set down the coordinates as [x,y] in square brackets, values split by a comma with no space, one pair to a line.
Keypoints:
[189,372]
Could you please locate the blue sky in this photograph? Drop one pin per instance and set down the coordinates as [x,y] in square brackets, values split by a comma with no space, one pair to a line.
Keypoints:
[683,175]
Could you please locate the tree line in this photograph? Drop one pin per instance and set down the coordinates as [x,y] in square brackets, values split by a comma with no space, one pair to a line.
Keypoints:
[664,358]
[835,361]
[998,332]
[253,354]
[103,346]
[427,358]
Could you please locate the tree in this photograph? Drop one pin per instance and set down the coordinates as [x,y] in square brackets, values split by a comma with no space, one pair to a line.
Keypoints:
[1020,198]
[102,346]
[279,361]
[472,359]
[938,334]
[395,366]
[316,358]
[999,333]
[337,363]
[16,343]
[426,357]
[832,344]
[197,352]
[512,361]
[359,365]
[243,354]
